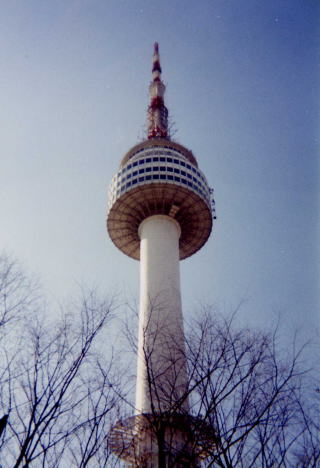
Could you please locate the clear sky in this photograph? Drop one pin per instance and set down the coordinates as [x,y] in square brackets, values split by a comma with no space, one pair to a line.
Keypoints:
[243,93]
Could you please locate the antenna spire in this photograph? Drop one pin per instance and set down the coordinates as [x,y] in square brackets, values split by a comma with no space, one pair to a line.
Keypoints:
[157,111]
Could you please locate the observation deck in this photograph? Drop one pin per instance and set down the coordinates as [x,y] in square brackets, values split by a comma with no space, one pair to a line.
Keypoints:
[159,176]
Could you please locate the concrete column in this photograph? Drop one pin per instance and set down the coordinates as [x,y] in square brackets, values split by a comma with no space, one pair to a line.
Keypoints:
[161,373]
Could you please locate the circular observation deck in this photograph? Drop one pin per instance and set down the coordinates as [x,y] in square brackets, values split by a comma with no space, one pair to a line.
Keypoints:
[159,177]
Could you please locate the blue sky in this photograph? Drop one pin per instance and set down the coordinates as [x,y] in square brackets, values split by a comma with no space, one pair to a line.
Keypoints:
[243,94]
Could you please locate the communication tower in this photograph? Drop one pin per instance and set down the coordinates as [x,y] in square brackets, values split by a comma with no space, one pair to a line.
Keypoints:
[160,211]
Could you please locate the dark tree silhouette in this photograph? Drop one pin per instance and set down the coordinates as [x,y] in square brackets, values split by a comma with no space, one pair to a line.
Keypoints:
[249,404]
[56,388]
[245,402]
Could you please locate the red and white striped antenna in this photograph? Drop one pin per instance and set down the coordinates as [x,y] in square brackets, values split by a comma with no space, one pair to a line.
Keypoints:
[157,111]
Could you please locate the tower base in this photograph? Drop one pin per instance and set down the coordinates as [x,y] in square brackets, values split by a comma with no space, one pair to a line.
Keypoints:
[162,440]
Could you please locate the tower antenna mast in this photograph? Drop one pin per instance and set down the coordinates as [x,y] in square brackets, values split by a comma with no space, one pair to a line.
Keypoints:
[157,111]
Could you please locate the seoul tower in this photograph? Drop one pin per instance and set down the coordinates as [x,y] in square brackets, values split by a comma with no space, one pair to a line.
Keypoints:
[160,211]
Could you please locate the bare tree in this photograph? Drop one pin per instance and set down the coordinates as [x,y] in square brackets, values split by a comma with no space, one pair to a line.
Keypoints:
[233,398]
[17,293]
[247,402]
[307,450]
[58,390]
[247,391]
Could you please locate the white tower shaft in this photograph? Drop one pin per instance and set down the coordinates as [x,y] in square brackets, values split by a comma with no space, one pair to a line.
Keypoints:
[161,373]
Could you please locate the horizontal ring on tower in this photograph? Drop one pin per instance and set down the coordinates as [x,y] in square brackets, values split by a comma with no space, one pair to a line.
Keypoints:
[159,179]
